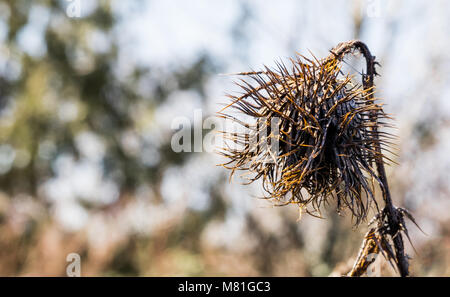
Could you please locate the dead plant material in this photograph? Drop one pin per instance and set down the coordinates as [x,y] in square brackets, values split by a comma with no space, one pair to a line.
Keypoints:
[330,147]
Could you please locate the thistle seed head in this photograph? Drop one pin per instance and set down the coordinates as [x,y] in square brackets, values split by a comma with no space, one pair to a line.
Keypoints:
[323,124]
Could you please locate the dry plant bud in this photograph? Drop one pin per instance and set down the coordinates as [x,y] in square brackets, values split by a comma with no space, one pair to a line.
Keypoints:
[327,127]
[326,143]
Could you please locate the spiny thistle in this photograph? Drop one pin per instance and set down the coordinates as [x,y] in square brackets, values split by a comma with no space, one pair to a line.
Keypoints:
[329,147]
[324,124]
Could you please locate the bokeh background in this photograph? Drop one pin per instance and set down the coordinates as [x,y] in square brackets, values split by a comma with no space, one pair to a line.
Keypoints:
[89,92]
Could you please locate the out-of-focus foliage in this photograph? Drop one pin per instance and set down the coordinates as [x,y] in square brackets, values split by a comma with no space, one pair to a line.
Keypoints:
[64,101]
[86,164]
[69,84]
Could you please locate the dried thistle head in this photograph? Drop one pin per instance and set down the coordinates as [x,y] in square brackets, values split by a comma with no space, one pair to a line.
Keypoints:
[323,124]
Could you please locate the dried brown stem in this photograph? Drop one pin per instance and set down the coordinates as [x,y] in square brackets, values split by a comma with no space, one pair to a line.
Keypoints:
[368,247]
[394,218]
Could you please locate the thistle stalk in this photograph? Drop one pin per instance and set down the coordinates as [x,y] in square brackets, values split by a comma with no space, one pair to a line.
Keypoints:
[394,217]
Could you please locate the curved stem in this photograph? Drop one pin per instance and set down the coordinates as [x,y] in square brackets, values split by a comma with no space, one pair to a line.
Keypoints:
[391,212]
